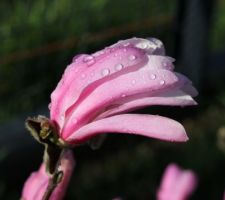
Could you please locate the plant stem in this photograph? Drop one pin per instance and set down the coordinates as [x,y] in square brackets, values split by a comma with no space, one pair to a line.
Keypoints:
[51,187]
[54,179]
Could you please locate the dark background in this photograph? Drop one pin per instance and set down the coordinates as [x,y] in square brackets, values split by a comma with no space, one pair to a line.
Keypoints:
[38,39]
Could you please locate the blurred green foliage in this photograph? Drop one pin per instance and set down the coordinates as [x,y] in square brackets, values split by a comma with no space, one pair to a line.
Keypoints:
[32,57]
[218,26]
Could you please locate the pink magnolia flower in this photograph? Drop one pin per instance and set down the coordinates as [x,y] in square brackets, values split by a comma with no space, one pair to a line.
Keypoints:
[97,90]
[36,184]
[177,184]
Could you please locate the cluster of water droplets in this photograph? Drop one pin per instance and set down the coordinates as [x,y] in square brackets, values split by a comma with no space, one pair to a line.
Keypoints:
[154,77]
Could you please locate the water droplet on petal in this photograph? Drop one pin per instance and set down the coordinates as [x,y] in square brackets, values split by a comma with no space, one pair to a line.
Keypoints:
[88,58]
[77,57]
[118,67]
[105,72]
[123,95]
[75,121]
[165,64]
[132,57]
[91,62]
[126,44]
[133,82]
[142,45]
[153,76]
[83,76]
[162,82]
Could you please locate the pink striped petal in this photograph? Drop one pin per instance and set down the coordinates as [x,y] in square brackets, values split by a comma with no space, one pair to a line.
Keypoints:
[160,62]
[170,98]
[88,69]
[149,45]
[145,125]
[115,89]
[176,184]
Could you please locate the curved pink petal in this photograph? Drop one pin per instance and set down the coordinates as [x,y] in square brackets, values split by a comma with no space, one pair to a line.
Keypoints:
[88,69]
[36,184]
[145,125]
[176,184]
[149,45]
[170,98]
[115,89]
[190,89]
[160,62]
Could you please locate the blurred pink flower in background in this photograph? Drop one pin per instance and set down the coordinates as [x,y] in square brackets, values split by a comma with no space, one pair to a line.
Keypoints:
[177,184]
[96,90]
[36,184]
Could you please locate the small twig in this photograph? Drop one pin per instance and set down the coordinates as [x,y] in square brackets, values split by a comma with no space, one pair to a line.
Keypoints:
[49,190]
[54,180]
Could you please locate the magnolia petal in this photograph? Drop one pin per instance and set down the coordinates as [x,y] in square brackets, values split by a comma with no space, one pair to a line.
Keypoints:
[190,89]
[149,45]
[176,184]
[35,185]
[115,89]
[187,86]
[160,62]
[80,74]
[146,125]
[170,98]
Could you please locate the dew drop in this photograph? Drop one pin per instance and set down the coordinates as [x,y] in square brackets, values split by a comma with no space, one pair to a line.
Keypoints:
[126,44]
[88,58]
[83,76]
[153,76]
[123,95]
[165,64]
[142,45]
[162,82]
[105,72]
[75,120]
[132,57]
[91,62]
[118,67]
[133,82]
